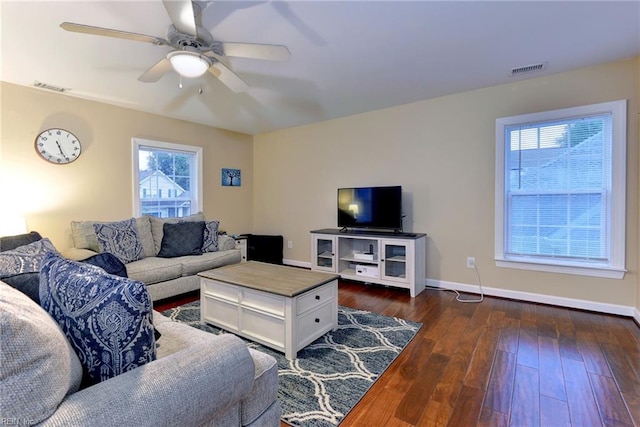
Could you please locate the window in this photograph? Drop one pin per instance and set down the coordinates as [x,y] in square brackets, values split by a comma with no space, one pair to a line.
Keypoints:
[167,178]
[561,189]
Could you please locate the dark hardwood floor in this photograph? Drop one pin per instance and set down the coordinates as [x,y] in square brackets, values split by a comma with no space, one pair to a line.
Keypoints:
[500,363]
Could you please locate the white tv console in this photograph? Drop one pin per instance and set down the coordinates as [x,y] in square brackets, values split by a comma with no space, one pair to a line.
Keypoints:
[392,259]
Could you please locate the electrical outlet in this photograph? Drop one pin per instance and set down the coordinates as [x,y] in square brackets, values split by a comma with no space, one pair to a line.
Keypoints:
[289,244]
[471,262]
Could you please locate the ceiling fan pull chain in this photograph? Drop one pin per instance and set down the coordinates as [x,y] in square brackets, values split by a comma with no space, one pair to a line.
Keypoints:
[180,85]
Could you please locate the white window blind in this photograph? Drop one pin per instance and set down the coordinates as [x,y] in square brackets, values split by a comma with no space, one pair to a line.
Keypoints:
[557,188]
[560,199]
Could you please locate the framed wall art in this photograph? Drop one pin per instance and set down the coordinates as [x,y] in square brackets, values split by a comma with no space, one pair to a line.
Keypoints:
[231,177]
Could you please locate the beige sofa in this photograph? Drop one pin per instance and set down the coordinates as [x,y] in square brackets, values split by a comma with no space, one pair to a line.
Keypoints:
[164,277]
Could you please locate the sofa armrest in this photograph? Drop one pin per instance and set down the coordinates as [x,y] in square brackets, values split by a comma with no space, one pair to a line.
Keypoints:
[226,243]
[77,254]
[189,387]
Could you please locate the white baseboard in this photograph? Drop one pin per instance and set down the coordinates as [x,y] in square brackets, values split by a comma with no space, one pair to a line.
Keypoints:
[621,310]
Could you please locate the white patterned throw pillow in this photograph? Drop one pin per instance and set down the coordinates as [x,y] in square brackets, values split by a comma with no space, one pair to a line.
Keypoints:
[121,239]
[25,259]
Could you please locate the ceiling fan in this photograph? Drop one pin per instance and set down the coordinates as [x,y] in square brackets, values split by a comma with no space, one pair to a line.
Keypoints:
[194,51]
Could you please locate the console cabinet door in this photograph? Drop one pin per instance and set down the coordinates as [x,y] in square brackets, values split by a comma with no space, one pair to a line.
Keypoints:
[323,250]
[396,260]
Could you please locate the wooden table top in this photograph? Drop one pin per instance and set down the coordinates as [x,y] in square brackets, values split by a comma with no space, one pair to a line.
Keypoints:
[272,278]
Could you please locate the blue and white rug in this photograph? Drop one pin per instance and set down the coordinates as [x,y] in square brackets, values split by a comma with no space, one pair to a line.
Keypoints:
[333,373]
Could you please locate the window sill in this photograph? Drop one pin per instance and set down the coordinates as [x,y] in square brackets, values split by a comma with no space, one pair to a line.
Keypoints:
[580,270]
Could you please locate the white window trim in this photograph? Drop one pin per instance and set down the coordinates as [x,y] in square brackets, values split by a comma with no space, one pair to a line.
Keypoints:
[139,142]
[616,268]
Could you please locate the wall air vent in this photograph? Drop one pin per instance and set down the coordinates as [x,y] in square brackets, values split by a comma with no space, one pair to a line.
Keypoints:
[528,69]
[49,87]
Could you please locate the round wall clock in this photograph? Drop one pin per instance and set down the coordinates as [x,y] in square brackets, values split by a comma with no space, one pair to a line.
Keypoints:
[58,146]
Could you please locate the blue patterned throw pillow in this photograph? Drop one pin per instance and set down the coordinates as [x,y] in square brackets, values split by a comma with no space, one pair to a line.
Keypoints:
[121,239]
[210,243]
[106,318]
[25,259]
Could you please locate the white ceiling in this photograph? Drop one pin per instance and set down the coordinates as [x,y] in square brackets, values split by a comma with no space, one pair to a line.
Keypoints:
[347,57]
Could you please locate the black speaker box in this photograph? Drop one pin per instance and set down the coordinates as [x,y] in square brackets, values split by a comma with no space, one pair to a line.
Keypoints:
[264,248]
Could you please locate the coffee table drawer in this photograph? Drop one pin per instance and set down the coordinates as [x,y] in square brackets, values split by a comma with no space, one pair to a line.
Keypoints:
[316,297]
[262,327]
[220,290]
[219,312]
[314,324]
[262,301]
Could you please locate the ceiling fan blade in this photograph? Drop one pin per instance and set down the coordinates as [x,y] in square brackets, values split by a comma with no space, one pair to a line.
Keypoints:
[107,32]
[270,52]
[228,77]
[156,72]
[181,15]
[214,71]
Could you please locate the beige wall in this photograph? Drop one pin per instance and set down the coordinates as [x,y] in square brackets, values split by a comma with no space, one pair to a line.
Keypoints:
[98,186]
[442,152]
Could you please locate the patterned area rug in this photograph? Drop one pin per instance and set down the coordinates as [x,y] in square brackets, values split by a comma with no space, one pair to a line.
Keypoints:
[333,373]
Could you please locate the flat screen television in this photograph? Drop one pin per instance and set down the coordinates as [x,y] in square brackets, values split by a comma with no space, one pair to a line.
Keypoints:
[370,207]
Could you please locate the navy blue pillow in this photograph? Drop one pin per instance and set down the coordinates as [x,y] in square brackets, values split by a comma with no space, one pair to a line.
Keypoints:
[109,263]
[106,318]
[182,238]
[27,283]
[8,243]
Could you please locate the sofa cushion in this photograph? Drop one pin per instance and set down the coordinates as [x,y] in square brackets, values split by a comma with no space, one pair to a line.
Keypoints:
[146,238]
[39,367]
[121,239]
[84,235]
[157,224]
[24,259]
[192,265]
[154,270]
[210,242]
[11,242]
[106,318]
[182,238]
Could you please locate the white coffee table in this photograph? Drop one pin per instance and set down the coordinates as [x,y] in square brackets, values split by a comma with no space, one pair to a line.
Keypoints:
[285,308]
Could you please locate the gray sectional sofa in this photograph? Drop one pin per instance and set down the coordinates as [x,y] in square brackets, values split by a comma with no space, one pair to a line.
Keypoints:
[80,321]
[164,276]
[198,378]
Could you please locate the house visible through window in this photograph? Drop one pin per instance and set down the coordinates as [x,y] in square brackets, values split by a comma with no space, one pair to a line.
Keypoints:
[167,178]
[560,190]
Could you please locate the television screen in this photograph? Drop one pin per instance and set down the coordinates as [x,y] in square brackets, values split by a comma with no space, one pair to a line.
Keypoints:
[370,207]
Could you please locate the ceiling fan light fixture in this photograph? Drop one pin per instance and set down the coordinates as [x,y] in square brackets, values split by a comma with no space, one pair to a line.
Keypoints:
[189,64]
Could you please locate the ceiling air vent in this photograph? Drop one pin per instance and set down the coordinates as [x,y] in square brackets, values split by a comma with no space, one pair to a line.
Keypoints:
[49,87]
[527,69]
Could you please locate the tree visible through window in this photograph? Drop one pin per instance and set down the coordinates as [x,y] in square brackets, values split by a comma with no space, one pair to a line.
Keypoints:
[558,196]
[167,179]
